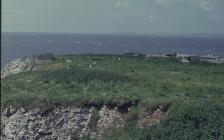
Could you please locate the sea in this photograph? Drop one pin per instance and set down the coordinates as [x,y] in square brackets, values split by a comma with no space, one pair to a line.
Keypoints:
[19,45]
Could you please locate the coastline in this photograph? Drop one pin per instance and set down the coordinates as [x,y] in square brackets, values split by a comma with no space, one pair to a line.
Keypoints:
[216,59]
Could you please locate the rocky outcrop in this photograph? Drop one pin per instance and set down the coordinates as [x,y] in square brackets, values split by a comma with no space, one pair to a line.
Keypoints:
[55,123]
[22,64]
[70,122]
[107,118]
[150,116]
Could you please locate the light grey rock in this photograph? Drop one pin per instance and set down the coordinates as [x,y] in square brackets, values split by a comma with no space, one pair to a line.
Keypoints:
[23,110]
[60,123]
[20,65]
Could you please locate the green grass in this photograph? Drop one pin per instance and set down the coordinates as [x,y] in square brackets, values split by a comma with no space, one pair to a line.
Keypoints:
[202,120]
[195,90]
[111,80]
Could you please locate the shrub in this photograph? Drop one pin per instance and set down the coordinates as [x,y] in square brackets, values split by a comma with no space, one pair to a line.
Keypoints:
[47,56]
[195,121]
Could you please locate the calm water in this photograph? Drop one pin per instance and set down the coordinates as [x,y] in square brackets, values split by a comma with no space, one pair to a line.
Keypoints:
[17,45]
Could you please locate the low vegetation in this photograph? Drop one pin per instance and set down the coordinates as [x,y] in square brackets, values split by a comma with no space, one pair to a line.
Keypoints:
[195,92]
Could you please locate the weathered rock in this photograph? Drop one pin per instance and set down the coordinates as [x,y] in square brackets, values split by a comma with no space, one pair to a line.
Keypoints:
[108,118]
[61,123]
[20,65]
[58,123]
[148,118]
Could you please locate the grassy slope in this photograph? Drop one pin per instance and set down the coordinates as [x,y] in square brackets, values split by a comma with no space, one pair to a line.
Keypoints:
[195,90]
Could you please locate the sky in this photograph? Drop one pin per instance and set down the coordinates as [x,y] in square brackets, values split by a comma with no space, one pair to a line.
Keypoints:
[113,16]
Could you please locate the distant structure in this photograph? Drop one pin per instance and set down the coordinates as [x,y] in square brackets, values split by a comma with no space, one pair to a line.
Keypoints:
[156,55]
[210,57]
[135,54]
[182,56]
[183,60]
[186,58]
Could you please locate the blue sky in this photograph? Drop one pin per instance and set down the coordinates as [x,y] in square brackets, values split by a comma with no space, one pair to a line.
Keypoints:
[113,16]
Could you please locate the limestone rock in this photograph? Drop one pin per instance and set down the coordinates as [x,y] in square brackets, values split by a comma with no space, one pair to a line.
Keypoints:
[69,122]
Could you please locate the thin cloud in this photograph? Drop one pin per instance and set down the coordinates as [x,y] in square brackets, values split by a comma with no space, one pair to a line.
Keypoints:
[204,4]
[122,4]
[145,13]
[163,2]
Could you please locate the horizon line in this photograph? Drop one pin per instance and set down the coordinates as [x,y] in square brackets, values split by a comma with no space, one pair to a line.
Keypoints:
[128,33]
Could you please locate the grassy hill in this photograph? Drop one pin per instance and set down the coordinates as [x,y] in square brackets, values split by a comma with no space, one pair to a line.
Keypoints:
[194,91]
